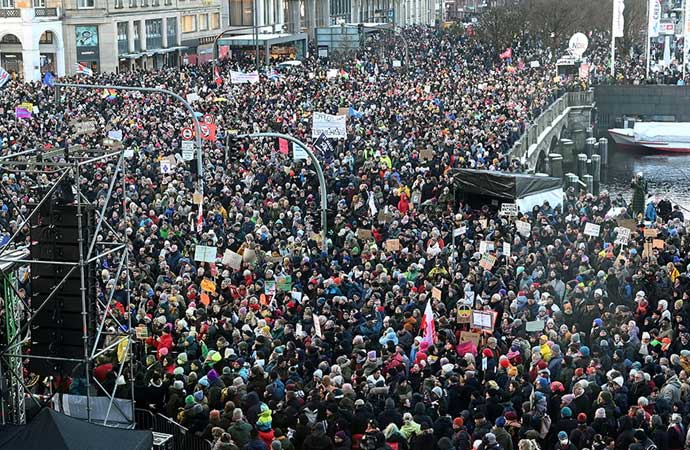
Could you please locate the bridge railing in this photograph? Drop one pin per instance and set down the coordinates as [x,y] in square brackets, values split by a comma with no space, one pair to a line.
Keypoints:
[546,118]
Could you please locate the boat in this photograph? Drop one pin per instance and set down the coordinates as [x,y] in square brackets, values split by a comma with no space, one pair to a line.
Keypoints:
[654,137]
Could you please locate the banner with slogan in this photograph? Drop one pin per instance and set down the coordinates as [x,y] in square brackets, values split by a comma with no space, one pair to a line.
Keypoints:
[329,125]
[241,77]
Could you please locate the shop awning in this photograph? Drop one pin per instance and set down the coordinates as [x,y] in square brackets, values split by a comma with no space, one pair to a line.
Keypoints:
[247,40]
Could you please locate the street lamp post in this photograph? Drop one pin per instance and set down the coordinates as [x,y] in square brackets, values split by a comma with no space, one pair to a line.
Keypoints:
[197,127]
[319,173]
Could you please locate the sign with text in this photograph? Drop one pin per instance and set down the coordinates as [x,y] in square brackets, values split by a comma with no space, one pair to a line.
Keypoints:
[509,210]
[592,229]
[205,253]
[331,126]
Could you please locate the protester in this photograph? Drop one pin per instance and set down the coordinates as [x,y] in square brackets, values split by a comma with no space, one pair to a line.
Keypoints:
[296,347]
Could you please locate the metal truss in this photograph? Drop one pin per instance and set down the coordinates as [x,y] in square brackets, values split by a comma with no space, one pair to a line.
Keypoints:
[51,171]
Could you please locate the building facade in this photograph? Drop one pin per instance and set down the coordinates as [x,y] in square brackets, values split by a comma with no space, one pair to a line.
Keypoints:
[105,35]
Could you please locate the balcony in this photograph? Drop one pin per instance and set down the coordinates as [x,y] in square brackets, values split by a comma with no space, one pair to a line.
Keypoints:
[45,12]
[10,12]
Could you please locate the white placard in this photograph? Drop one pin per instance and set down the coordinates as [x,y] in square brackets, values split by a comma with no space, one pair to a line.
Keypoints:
[506,249]
[129,152]
[592,229]
[509,210]
[205,253]
[299,153]
[332,73]
[623,236]
[397,63]
[115,135]
[193,97]
[535,64]
[459,231]
[188,150]
[485,246]
[232,259]
[330,125]
[241,77]
[166,166]
[523,228]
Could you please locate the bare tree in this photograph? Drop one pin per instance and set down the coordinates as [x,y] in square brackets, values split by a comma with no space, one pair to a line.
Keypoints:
[556,20]
[500,26]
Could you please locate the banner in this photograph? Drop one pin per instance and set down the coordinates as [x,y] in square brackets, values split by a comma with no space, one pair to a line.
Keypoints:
[654,18]
[329,125]
[584,71]
[324,148]
[4,77]
[618,24]
[241,77]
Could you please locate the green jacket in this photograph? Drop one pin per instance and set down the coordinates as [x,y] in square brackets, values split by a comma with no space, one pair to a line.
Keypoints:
[240,432]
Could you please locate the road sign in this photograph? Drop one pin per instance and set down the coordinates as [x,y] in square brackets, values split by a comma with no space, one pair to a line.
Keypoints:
[188,150]
[187,134]
[208,118]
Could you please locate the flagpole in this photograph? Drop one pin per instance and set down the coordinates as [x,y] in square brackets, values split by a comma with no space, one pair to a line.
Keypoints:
[613,56]
[648,46]
[686,33]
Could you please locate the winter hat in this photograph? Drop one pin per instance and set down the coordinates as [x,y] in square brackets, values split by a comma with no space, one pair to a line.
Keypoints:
[212,375]
[458,422]
[276,445]
[584,351]
[562,436]
[214,414]
[189,400]
[438,391]
[199,396]
[237,414]
[487,353]
[512,371]
[490,438]
[178,384]
[341,435]
[600,413]
[566,412]
[501,422]
[582,418]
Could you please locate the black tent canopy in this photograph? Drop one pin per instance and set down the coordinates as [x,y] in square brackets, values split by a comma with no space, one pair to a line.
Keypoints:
[505,185]
[55,431]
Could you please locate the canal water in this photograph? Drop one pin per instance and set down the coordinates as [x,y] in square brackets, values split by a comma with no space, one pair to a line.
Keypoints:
[667,175]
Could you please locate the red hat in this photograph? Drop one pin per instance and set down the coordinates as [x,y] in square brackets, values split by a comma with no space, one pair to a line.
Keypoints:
[458,422]
[487,352]
[557,386]
[504,362]
[582,418]
[579,372]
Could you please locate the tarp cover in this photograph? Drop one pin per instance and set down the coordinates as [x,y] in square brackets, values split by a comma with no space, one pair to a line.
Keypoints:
[662,131]
[501,184]
[55,431]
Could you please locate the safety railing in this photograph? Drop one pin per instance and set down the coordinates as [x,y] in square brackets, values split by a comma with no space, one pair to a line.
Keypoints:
[10,12]
[45,12]
[546,118]
[183,439]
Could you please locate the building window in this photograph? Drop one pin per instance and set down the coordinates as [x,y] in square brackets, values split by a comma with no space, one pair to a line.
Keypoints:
[203,22]
[154,33]
[39,3]
[119,4]
[155,3]
[189,24]
[215,21]
[137,41]
[144,3]
[46,38]
[132,3]
[241,12]
[172,31]
[10,39]
[81,4]
[6,4]
[122,38]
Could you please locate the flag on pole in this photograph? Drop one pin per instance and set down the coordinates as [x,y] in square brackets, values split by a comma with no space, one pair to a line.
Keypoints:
[200,219]
[82,69]
[428,324]
[49,79]
[109,94]
[4,77]
[507,54]
[216,76]
[654,18]
[618,20]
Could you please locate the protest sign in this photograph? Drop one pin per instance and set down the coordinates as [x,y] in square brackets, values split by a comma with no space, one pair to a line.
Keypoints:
[623,236]
[270,287]
[487,262]
[242,78]
[592,229]
[363,233]
[208,285]
[285,283]
[470,336]
[506,249]
[232,259]
[534,325]
[509,210]
[464,314]
[523,228]
[658,243]
[393,245]
[436,293]
[205,253]
[484,320]
[651,232]
[166,166]
[331,126]
[249,255]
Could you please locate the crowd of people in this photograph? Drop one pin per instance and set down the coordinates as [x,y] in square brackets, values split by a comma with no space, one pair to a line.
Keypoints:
[298,347]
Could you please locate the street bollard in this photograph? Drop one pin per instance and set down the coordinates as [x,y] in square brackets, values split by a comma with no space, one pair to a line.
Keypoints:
[556,165]
[581,165]
[604,151]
